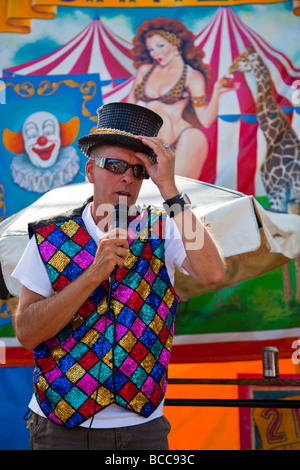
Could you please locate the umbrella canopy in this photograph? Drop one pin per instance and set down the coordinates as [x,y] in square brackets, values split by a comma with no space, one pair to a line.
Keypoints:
[96,49]
[252,239]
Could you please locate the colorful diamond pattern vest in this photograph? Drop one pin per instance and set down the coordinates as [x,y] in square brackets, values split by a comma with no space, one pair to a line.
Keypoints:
[102,356]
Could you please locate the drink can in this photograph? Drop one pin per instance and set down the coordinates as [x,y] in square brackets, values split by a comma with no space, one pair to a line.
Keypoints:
[270,359]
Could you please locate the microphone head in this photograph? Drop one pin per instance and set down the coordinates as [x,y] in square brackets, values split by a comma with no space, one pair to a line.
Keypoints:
[121,213]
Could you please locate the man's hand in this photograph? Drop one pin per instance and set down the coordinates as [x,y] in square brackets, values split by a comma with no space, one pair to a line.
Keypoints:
[204,261]
[112,251]
[162,172]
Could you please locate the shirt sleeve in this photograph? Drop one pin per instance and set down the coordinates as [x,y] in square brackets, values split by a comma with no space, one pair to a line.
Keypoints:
[31,271]
[175,253]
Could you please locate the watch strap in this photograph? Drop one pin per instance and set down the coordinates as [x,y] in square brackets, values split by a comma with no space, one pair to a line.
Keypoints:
[176,204]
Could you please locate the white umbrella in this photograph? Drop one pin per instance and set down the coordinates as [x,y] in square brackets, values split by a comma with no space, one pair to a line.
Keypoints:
[253,240]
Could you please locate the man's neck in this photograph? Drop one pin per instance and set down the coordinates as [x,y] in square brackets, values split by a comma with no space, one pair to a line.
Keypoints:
[102,216]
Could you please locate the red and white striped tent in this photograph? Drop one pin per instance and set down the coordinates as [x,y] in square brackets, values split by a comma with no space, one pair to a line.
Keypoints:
[96,49]
[237,166]
[237,145]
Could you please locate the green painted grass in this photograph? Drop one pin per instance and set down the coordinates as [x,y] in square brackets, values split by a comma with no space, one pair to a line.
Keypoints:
[262,307]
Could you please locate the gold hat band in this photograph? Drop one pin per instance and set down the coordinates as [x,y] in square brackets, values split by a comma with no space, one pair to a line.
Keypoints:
[108,130]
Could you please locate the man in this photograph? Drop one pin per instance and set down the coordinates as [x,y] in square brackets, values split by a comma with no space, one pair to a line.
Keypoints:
[98,305]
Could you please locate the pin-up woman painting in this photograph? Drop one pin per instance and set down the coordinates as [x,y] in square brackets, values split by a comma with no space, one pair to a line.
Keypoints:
[171,80]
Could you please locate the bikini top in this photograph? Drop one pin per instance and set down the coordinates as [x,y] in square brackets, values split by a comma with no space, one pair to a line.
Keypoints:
[175,94]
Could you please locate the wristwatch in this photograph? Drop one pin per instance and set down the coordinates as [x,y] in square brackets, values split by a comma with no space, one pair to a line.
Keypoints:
[176,204]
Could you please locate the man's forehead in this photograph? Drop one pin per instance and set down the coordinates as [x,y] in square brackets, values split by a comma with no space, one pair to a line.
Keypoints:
[103,150]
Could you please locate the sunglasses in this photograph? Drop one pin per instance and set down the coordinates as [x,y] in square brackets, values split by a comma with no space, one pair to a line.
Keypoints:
[120,167]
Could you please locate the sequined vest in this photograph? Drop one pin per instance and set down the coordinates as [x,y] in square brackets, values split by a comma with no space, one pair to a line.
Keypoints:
[118,355]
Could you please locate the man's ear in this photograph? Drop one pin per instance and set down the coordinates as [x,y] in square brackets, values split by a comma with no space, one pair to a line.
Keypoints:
[90,171]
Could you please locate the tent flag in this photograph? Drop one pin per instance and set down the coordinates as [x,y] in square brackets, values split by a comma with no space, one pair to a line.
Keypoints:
[16,17]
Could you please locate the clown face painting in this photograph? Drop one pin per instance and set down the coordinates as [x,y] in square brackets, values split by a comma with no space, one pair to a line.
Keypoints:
[41,134]
[44,158]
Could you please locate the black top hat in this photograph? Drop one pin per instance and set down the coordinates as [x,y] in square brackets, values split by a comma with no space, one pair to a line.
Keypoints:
[120,124]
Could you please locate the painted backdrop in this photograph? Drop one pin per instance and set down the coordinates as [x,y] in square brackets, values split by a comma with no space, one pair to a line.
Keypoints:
[231,109]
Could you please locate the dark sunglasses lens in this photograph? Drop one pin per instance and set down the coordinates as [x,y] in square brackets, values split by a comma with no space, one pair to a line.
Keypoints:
[117,166]
[140,172]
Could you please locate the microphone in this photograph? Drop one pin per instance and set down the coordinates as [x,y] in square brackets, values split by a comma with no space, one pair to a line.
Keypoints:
[120,215]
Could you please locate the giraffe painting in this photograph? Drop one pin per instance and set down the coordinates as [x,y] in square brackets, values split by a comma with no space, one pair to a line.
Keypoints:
[280,170]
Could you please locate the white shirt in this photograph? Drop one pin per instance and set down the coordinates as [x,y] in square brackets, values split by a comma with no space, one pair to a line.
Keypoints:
[32,273]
